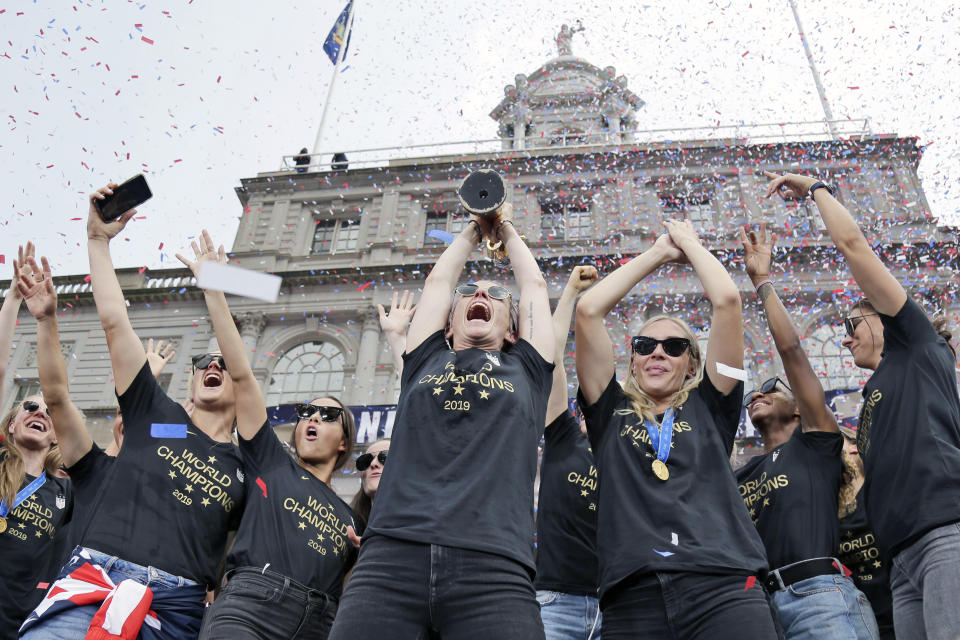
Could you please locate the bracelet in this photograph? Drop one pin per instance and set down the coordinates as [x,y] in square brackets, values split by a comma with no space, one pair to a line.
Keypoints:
[479,232]
[820,184]
[761,283]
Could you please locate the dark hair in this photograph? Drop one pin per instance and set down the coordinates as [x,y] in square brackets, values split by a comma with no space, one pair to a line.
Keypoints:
[362,503]
[939,323]
[349,426]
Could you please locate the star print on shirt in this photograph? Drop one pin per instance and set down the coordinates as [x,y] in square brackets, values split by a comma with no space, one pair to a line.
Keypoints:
[437,391]
[320,537]
[458,390]
[205,502]
[583,493]
[484,394]
[189,488]
[211,459]
[301,526]
[172,475]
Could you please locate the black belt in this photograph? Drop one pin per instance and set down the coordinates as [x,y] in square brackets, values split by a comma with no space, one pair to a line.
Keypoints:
[781,578]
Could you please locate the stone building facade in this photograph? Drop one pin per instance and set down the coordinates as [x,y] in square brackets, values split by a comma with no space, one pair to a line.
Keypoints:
[587,185]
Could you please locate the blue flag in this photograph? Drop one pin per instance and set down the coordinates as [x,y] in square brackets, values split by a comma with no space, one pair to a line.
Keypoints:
[337,35]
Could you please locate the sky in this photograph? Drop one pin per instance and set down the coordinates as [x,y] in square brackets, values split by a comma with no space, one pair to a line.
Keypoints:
[197,95]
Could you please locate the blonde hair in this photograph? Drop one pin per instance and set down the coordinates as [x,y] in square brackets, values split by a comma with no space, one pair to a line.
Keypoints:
[12,471]
[643,405]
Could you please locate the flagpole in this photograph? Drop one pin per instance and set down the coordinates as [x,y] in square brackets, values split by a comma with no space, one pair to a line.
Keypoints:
[333,82]
[813,70]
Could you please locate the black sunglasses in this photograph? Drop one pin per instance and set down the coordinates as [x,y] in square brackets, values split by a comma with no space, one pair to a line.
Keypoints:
[364,461]
[495,291]
[765,388]
[851,324]
[673,347]
[327,414]
[204,360]
[30,406]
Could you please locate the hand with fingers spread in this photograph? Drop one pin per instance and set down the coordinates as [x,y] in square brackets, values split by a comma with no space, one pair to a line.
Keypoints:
[398,319]
[205,251]
[97,229]
[159,355]
[789,185]
[36,286]
[758,253]
[21,263]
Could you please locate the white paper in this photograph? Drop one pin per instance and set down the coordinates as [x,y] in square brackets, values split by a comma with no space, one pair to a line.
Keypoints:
[674,539]
[239,281]
[730,372]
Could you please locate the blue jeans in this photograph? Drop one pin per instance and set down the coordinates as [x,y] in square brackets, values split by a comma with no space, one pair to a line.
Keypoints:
[262,604]
[925,580]
[828,607]
[404,590]
[569,617]
[74,622]
[687,606]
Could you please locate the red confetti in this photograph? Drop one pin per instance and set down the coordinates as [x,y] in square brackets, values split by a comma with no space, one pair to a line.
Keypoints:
[3,259]
[160,248]
[146,39]
[263,486]
[86,278]
[751,580]
[362,287]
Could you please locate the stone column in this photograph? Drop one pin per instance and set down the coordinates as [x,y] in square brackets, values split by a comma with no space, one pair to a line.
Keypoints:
[367,356]
[520,134]
[251,326]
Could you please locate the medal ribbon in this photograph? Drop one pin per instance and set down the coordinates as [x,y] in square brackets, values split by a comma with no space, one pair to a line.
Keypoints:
[661,435]
[23,494]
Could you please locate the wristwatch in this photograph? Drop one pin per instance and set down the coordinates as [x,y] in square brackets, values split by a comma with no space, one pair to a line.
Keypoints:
[820,184]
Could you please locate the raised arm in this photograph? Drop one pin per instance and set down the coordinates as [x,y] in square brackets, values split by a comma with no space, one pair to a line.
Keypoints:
[9,312]
[594,352]
[36,287]
[126,351]
[726,325]
[434,307]
[535,323]
[807,390]
[158,355]
[580,279]
[394,325]
[886,295]
[251,411]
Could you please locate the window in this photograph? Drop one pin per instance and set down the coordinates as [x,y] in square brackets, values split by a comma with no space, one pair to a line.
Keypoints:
[164,381]
[695,207]
[832,363]
[24,388]
[435,228]
[307,371]
[566,215]
[336,236]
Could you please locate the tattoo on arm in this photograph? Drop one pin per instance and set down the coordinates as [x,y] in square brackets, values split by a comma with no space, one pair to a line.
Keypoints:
[765,290]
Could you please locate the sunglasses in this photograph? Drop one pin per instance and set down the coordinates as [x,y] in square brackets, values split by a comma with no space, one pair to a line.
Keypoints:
[495,291]
[327,414]
[851,324]
[364,461]
[673,347]
[30,406]
[767,387]
[204,361]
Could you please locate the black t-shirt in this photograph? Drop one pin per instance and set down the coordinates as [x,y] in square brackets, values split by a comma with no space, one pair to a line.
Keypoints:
[567,511]
[871,572]
[88,475]
[292,520]
[172,494]
[791,495]
[32,543]
[463,458]
[696,520]
[909,432]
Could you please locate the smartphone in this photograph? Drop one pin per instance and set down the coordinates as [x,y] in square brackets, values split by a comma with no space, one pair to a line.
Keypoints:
[130,194]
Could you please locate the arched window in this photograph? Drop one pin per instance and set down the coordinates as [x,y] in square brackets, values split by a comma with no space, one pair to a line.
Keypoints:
[832,363]
[307,371]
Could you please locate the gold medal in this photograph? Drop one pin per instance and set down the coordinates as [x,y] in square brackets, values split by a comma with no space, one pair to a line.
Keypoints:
[3,525]
[660,470]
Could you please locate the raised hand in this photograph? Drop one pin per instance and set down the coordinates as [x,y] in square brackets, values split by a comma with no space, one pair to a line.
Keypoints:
[789,185]
[159,355]
[18,264]
[398,319]
[36,287]
[669,250]
[204,252]
[682,233]
[97,229]
[758,252]
[582,277]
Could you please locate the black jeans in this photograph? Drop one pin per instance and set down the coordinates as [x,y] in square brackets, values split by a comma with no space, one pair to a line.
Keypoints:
[261,605]
[687,606]
[413,591]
